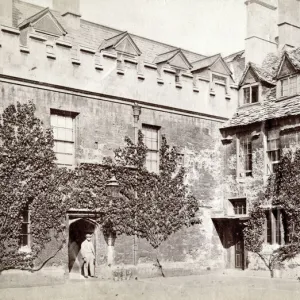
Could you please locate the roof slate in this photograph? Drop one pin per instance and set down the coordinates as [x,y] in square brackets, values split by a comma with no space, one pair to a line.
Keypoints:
[266,110]
[262,74]
[92,35]
[205,62]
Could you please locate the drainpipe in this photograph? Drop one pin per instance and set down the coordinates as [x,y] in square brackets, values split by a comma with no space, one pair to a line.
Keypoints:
[136,115]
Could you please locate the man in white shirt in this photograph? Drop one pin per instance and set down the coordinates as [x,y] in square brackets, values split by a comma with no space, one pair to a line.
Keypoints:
[88,255]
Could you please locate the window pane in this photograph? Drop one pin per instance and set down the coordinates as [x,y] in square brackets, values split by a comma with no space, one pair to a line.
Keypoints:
[284,87]
[269,228]
[293,85]
[247,95]
[254,91]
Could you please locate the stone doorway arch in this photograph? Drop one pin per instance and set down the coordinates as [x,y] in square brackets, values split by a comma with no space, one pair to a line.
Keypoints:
[78,228]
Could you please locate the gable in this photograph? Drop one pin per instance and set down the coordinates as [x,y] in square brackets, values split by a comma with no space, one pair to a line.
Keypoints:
[178,61]
[249,77]
[47,24]
[219,67]
[126,46]
[286,68]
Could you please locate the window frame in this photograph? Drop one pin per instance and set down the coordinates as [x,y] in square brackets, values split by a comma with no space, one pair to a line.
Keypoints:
[157,129]
[289,85]
[27,233]
[276,152]
[72,115]
[239,210]
[276,232]
[250,86]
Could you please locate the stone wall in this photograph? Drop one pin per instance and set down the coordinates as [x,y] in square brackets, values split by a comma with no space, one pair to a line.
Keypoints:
[101,126]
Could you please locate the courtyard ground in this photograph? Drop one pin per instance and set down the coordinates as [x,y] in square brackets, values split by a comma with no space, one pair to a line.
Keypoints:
[211,286]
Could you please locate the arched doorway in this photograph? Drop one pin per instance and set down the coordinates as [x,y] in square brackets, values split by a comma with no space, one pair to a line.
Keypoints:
[77,230]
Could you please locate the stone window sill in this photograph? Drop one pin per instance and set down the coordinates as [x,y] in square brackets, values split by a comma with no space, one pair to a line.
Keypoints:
[248,104]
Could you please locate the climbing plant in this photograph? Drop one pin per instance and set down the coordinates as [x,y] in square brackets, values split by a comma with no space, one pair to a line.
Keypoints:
[282,191]
[147,205]
[28,178]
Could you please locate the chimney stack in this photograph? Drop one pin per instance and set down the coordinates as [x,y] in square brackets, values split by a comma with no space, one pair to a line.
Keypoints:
[261,30]
[6,8]
[70,10]
[288,23]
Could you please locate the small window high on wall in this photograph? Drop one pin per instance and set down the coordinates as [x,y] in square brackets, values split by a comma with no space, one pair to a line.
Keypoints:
[151,134]
[288,86]
[63,126]
[251,94]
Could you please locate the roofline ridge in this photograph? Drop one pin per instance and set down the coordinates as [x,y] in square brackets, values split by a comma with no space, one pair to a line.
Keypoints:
[207,57]
[234,53]
[143,37]
[34,15]
[124,32]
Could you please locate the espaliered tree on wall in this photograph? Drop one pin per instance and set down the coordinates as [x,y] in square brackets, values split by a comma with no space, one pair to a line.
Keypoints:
[282,192]
[152,206]
[149,205]
[30,179]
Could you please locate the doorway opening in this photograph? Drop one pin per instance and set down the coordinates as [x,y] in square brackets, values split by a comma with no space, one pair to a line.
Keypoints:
[77,231]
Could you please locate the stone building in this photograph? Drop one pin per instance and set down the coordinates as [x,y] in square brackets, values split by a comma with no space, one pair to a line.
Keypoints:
[266,121]
[95,85]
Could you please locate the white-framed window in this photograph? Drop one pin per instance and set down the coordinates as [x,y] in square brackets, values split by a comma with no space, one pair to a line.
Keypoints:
[288,86]
[273,149]
[245,152]
[63,126]
[250,94]
[151,134]
[25,228]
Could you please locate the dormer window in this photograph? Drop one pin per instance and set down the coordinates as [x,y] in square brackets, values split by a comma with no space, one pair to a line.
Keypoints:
[251,94]
[288,86]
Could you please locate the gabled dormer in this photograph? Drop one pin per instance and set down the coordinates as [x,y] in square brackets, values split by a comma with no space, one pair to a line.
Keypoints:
[121,44]
[251,83]
[44,22]
[174,59]
[215,70]
[288,80]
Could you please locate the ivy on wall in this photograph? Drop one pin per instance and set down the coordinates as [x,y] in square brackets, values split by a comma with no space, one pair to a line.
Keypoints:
[28,176]
[282,191]
[149,205]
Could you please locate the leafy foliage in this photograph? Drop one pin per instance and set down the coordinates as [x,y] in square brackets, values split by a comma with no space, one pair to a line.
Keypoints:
[282,191]
[28,176]
[148,205]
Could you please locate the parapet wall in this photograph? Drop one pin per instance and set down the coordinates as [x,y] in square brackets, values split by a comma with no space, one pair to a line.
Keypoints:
[61,63]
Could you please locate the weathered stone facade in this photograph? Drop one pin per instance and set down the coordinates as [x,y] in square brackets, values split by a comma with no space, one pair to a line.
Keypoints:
[64,63]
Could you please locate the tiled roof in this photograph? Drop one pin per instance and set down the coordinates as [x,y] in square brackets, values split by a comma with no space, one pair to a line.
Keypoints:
[38,15]
[112,41]
[92,35]
[166,56]
[262,74]
[294,57]
[266,110]
[205,62]
[233,56]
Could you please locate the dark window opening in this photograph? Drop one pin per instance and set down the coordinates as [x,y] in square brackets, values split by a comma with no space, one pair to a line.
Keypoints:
[25,227]
[239,206]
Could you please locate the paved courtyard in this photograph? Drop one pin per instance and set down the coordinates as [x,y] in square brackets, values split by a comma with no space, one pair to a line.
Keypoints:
[211,286]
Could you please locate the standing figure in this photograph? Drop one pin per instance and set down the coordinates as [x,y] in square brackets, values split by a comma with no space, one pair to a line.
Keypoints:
[88,255]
